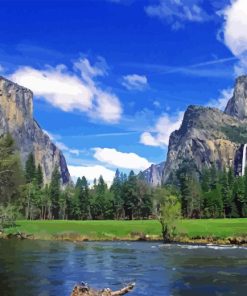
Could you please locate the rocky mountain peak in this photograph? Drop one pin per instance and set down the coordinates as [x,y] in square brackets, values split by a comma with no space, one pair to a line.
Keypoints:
[153,175]
[16,118]
[208,136]
[237,105]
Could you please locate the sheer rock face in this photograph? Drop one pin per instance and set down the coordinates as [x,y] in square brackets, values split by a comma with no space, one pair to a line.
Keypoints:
[237,105]
[16,118]
[208,136]
[153,175]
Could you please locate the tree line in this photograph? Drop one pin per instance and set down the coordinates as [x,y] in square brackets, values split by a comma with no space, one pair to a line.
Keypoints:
[128,197]
[210,194]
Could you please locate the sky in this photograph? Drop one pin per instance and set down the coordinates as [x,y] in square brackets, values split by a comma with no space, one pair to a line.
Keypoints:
[112,78]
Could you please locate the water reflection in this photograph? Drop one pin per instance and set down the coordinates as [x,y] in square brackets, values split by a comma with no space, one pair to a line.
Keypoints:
[52,268]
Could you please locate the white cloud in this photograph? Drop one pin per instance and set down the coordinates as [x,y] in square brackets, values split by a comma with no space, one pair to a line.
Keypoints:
[92,172]
[89,71]
[135,81]
[61,145]
[1,69]
[234,29]
[177,12]
[221,102]
[69,91]
[122,160]
[156,104]
[160,134]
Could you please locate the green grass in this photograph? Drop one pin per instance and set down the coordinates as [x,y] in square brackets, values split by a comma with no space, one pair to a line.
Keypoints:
[99,230]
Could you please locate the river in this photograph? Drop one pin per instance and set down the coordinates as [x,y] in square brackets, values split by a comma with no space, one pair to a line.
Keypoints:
[42,268]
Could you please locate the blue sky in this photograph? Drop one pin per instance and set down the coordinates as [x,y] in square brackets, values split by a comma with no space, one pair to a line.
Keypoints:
[112,78]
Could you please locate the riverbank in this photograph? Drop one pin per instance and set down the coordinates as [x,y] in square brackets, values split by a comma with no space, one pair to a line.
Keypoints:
[215,231]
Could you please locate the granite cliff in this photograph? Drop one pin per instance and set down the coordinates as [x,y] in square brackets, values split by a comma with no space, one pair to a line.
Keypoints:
[16,118]
[207,136]
[153,175]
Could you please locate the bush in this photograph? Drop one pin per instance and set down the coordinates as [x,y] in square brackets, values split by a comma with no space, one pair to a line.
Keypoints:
[8,216]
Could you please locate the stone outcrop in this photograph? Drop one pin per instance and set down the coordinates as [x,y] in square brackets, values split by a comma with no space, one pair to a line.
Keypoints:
[153,175]
[16,118]
[237,105]
[209,136]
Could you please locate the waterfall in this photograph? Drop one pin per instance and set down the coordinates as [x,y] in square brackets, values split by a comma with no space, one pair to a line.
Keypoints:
[244,159]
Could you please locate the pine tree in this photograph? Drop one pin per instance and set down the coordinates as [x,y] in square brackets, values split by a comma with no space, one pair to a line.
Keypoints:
[10,170]
[205,180]
[130,195]
[184,176]
[116,189]
[213,177]
[238,195]
[30,169]
[55,192]
[82,192]
[226,193]
[39,176]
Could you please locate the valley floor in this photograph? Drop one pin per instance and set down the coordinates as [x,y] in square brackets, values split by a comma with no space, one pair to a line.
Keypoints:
[220,231]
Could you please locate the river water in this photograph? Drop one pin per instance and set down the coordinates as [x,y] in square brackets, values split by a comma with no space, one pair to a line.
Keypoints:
[41,268]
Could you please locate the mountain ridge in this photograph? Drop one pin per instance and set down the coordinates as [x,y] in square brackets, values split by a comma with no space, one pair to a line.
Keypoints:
[16,118]
[209,136]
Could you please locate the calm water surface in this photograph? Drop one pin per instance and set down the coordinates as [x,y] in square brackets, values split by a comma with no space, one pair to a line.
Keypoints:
[38,268]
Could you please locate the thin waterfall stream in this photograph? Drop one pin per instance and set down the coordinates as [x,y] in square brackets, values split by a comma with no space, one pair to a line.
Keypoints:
[244,159]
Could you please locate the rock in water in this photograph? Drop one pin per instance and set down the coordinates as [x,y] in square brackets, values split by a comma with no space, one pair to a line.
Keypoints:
[16,118]
[82,290]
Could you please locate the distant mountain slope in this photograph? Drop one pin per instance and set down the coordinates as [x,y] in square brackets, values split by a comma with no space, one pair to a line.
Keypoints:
[153,175]
[209,136]
[16,118]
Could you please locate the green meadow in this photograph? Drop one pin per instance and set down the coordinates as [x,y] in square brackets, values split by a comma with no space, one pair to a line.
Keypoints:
[127,230]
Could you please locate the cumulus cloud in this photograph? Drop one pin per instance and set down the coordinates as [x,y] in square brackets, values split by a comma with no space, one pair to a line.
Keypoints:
[135,81]
[72,91]
[160,134]
[221,102]
[177,12]
[122,160]
[92,172]
[234,29]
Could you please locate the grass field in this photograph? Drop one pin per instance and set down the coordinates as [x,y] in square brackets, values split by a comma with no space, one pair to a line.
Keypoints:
[108,230]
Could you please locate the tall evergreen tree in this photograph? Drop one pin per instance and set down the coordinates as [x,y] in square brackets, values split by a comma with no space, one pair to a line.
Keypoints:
[130,195]
[30,169]
[39,176]
[10,170]
[190,189]
[116,189]
[82,197]
[55,192]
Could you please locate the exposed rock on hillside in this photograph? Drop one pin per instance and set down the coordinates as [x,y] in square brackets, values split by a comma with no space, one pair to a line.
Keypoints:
[237,105]
[153,175]
[208,136]
[16,118]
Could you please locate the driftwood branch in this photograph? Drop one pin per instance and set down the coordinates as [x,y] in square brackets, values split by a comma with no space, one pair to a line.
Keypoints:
[84,290]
